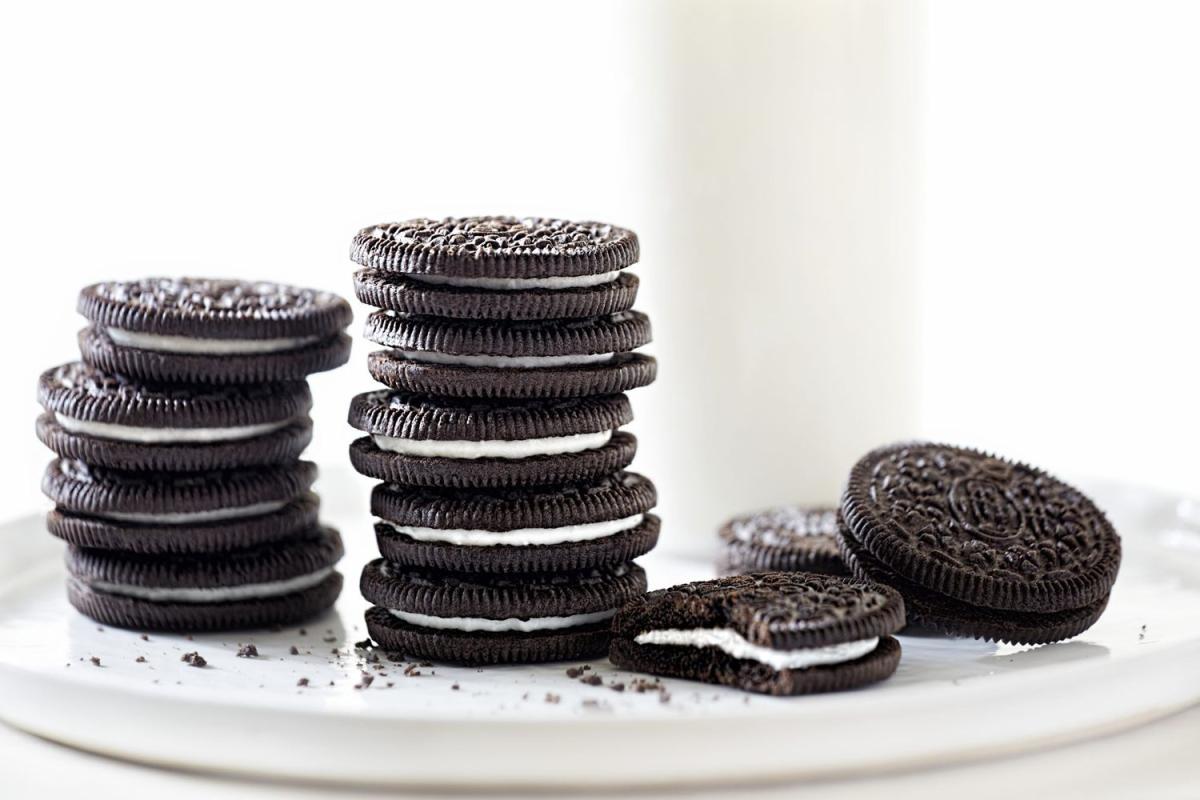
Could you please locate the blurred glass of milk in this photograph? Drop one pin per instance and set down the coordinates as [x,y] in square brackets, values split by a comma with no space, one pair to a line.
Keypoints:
[778,249]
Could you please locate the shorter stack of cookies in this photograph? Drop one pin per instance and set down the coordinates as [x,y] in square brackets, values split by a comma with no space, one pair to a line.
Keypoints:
[508,524]
[178,484]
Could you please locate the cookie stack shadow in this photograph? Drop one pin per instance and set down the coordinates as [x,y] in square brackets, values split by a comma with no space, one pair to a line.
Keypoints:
[507,520]
[178,485]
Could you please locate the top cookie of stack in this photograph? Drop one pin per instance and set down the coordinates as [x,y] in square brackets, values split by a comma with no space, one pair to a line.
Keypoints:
[510,341]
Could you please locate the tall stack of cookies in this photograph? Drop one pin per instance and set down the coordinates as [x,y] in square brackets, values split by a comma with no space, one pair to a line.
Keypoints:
[508,523]
[178,484]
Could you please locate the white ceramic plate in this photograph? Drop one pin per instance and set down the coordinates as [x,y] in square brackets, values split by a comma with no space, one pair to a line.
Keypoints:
[949,700]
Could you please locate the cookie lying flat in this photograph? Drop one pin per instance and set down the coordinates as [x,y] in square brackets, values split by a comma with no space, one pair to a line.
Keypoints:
[979,546]
[487,619]
[174,499]
[509,301]
[196,537]
[780,633]
[554,528]
[420,440]
[786,538]
[498,252]
[114,421]
[273,584]
[199,330]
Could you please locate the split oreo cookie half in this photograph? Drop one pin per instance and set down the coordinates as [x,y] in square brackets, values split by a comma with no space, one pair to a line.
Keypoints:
[419,440]
[782,633]
[272,584]
[114,421]
[979,546]
[200,330]
[492,619]
[553,528]
[785,538]
[178,512]
[487,359]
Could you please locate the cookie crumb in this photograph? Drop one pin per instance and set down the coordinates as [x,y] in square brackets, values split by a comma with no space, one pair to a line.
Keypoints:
[194,659]
[454,686]
[247,651]
[293,650]
[574,672]
[145,638]
[364,681]
[95,661]
[302,682]
[592,680]
[140,659]
[553,698]
[617,687]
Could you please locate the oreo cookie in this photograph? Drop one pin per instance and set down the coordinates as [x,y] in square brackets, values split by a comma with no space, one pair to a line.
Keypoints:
[199,330]
[978,545]
[155,500]
[785,538]
[496,298]
[781,633]
[195,537]
[478,250]
[490,619]
[273,584]
[567,527]
[115,421]
[421,440]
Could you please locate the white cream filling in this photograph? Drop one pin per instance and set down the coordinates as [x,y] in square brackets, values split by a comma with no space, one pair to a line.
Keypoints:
[501,625]
[734,644]
[182,517]
[131,433]
[512,362]
[192,344]
[494,448]
[517,284]
[520,537]
[221,594]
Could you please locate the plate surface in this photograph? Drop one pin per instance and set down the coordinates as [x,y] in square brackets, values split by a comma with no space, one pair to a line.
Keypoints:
[534,726]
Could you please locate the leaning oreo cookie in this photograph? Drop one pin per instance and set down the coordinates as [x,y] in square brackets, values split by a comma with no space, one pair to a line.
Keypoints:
[781,633]
[496,298]
[474,251]
[568,527]
[978,545]
[786,538]
[114,421]
[185,499]
[272,584]
[420,440]
[199,330]
[487,619]
[563,358]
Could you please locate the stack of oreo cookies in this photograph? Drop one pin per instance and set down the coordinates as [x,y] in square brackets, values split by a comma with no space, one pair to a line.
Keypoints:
[508,522]
[178,484]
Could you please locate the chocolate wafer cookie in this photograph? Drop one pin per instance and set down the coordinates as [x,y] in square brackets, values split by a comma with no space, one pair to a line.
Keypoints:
[555,358]
[421,440]
[496,298]
[272,584]
[780,633]
[115,421]
[978,545]
[785,538]
[127,508]
[489,619]
[200,330]
[567,527]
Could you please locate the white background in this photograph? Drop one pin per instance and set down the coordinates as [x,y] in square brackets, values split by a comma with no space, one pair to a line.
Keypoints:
[1056,285]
